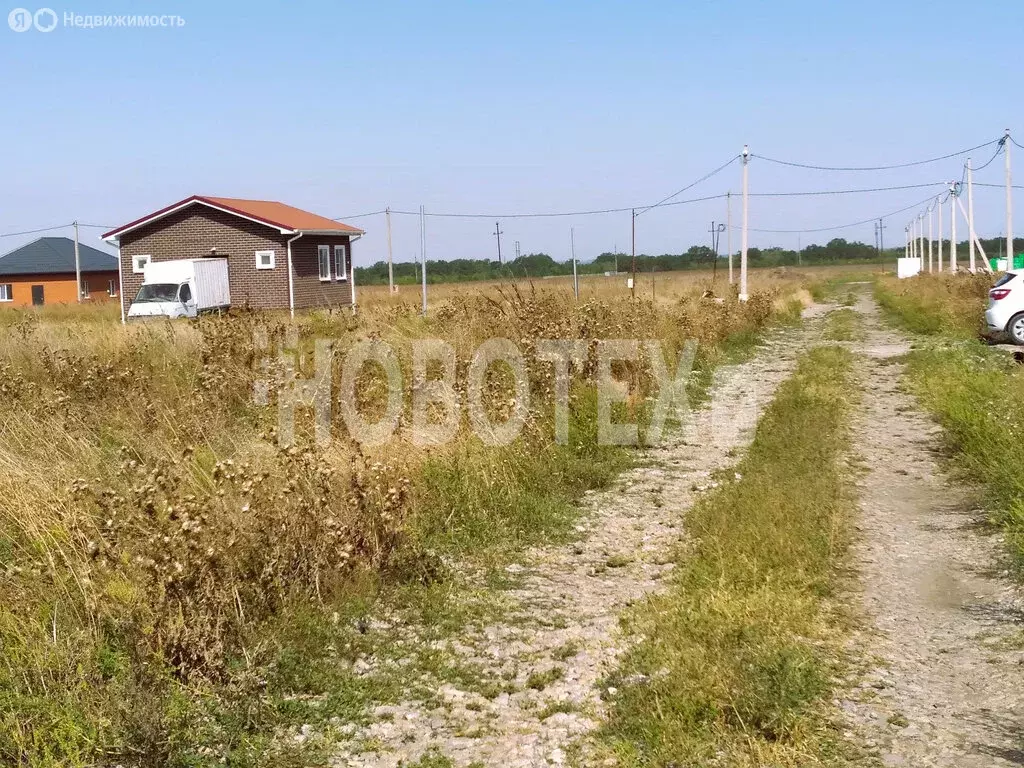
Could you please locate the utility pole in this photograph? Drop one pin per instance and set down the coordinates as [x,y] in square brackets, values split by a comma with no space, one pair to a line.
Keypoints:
[572,250]
[877,251]
[716,238]
[497,234]
[633,279]
[938,204]
[78,266]
[615,250]
[970,215]
[746,214]
[881,235]
[931,235]
[952,228]
[423,255]
[1009,203]
[728,231]
[906,244]
[920,236]
[391,270]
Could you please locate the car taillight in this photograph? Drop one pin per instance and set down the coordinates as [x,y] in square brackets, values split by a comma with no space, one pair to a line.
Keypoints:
[998,294]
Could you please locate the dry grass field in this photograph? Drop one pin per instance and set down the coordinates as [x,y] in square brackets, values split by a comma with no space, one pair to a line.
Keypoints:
[176,584]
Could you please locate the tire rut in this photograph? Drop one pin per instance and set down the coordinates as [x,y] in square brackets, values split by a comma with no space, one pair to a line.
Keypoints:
[947,681]
[565,610]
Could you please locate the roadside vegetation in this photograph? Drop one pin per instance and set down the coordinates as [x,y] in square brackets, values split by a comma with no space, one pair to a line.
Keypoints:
[181,591]
[976,393]
[736,659]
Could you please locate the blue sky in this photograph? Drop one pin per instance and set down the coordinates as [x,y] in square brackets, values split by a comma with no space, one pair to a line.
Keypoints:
[507,107]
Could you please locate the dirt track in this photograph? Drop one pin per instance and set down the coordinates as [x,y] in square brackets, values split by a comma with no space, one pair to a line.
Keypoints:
[940,644]
[947,682]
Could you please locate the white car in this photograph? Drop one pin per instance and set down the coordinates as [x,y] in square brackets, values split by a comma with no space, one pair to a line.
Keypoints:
[1005,312]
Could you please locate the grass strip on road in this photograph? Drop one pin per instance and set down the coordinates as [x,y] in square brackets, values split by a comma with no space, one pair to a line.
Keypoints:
[975,393]
[736,659]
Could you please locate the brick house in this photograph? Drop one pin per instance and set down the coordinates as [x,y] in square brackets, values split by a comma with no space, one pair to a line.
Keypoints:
[279,257]
[43,272]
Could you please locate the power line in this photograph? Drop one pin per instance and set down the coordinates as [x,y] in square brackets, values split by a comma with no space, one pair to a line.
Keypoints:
[845,191]
[597,212]
[705,177]
[550,214]
[873,167]
[361,215]
[841,226]
[35,231]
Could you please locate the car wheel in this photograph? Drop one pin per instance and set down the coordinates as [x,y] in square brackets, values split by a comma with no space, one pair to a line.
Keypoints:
[1016,329]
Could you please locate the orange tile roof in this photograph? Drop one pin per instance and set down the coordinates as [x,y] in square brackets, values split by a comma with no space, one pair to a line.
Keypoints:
[280,215]
[268,212]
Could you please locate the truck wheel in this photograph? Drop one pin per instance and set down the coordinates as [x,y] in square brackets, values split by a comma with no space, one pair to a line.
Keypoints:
[1016,329]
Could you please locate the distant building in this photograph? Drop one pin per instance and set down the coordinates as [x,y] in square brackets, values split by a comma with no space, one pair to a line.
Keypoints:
[43,272]
[279,257]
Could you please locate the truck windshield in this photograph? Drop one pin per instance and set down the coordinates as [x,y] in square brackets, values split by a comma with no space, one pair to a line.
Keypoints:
[158,292]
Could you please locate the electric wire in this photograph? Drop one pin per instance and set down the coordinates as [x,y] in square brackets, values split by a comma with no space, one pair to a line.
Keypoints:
[35,231]
[705,177]
[873,167]
[840,226]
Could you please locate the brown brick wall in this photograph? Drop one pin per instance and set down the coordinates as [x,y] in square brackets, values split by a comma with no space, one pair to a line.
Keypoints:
[193,231]
[310,290]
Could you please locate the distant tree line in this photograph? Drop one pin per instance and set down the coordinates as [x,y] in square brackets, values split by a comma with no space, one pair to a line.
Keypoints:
[836,251]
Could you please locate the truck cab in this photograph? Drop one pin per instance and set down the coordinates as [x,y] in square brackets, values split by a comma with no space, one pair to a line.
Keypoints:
[164,300]
[182,288]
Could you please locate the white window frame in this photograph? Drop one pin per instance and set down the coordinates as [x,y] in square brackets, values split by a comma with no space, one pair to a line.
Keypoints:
[84,288]
[6,291]
[135,263]
[342,273]
[322,252]
[112,289]
[259,259]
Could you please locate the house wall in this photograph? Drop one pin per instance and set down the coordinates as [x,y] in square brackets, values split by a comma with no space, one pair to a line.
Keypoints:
[58,288]
[310,290]
[192,232]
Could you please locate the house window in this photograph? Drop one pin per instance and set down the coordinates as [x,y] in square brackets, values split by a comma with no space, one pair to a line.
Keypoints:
[112,288]
[7,292]
[85,288]
[324,255]
[265,259]
[139,263]
[340,271]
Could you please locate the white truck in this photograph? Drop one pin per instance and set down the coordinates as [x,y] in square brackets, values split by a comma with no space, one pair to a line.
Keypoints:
[182,288]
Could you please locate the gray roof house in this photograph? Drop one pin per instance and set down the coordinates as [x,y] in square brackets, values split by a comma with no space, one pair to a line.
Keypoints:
[43,272]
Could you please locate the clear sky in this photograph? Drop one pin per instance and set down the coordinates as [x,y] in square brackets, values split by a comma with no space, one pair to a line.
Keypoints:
[345,108]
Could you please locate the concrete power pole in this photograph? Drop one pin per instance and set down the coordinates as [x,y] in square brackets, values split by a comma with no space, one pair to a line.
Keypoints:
[746,215]
[970,216]
[78,266]
[952,228]
[572,250]
[391,271]
[1009,203]
[938,204]
[633,278]
[920,235]
[931,236]
[728,232]
[881,235]
[423,255]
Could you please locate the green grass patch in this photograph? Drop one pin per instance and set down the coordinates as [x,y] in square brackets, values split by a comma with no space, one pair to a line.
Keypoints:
[977,395]
[843,325]
[735,660]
